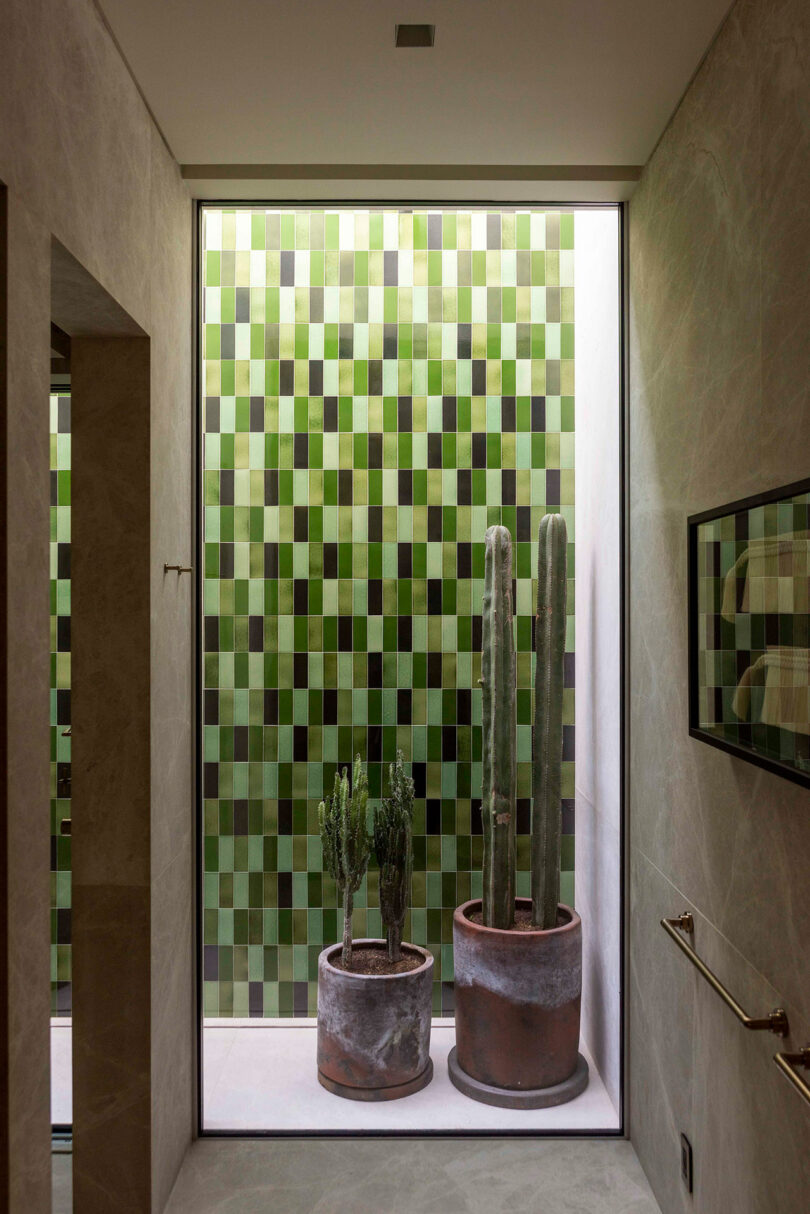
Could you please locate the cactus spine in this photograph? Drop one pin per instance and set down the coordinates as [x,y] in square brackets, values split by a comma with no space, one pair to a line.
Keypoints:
[548,698]
[499,737]
[346,843]
[394,848]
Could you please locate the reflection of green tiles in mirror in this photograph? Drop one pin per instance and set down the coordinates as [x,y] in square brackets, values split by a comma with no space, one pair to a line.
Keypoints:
[60,702]
[752,629]
[378,388]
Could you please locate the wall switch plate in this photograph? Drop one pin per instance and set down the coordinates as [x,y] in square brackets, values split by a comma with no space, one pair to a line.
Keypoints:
[686,1162]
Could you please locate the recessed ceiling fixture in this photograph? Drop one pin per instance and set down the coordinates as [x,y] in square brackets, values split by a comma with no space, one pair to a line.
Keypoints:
[414,35]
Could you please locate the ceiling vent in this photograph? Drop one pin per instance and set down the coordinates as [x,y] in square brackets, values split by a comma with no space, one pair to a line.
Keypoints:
[414,35]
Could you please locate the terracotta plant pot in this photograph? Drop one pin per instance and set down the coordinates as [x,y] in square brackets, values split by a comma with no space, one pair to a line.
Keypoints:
[374,1029]
[517,1010]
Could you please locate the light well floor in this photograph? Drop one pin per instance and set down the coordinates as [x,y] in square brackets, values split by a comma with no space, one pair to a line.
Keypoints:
[261,1075]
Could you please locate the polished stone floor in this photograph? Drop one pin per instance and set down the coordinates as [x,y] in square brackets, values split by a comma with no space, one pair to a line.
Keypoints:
[445,1176]
[406,1176]
[62,1174]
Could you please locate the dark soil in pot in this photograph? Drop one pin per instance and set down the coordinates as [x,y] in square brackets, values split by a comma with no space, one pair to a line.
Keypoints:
[373,959]
[523,920]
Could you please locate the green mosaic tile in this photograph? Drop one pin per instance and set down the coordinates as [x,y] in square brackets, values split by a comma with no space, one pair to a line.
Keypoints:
[378,388]
[60,702]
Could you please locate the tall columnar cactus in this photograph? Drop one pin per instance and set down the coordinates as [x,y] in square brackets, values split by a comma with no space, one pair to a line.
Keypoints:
[394,848]
[346,842]
[548,731]
[499,759]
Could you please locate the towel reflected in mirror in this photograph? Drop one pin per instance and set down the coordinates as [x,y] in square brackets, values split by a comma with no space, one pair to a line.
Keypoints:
[784,674]
[770,577]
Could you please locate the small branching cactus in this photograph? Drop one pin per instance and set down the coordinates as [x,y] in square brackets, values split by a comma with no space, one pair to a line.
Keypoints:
[548,730]
[499,738]
[393,845]
[346,842]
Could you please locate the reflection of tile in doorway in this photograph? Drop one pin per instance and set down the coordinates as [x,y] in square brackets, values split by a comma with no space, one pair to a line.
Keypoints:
[60,555]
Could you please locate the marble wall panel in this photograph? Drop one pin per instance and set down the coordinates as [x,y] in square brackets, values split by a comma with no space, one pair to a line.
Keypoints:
[24,749]
[598,900]
[661,997]
[695,1070]
[111,770]
[751,1129]
[719,391]
[110,521]
[598,627]
[174,1030]
[75,141]
[598,511]
[79,151]
[785,118]
[112,1097]
[172,442]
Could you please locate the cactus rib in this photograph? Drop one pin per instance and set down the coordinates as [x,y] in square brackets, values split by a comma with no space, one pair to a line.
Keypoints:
[499,737]
[548,696]
[394,848]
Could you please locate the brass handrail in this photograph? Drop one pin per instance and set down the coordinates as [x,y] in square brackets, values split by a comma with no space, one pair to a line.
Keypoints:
[787,1064]
[776,1021]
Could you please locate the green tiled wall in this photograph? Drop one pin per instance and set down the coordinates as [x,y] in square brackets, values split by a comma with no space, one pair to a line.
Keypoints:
[60,701]
[378,388]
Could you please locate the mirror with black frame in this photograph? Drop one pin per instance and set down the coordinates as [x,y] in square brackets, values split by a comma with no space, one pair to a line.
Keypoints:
[749,614]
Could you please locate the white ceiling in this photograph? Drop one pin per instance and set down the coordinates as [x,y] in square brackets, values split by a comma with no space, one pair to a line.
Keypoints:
[539,82]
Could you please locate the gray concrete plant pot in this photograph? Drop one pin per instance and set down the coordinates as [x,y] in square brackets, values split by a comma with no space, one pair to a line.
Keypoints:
[517,999]
[374,1029]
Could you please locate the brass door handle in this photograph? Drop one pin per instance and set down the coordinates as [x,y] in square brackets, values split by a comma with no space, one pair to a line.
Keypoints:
[167,568]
